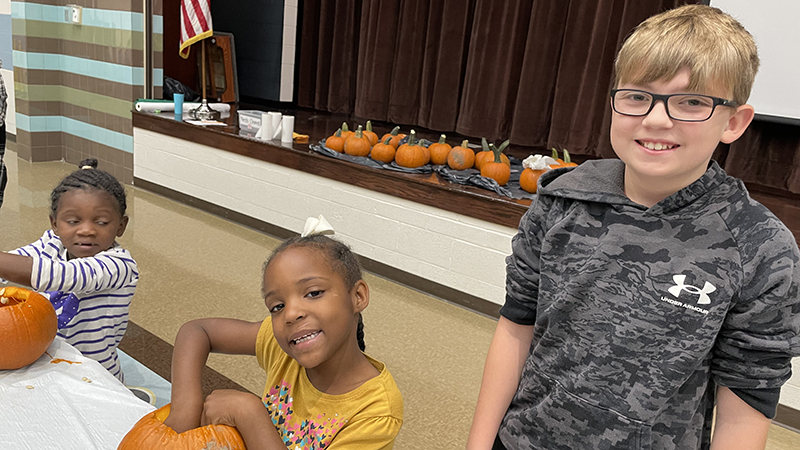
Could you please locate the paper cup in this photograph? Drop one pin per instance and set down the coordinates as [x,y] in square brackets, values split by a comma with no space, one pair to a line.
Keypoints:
[287,129]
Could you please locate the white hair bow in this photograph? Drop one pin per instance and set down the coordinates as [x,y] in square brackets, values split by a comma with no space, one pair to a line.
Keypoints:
[317,225]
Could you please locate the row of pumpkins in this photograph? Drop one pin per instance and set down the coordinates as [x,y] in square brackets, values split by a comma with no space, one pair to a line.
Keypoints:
[491,162]
[28,325]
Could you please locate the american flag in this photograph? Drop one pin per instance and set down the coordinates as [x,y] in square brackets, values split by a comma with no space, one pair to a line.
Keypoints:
[195,23]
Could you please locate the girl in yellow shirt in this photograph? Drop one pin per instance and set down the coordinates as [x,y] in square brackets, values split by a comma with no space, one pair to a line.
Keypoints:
[322,391]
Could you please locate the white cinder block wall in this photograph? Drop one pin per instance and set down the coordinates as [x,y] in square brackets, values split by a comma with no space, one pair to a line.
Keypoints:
[451,249]
[790,394]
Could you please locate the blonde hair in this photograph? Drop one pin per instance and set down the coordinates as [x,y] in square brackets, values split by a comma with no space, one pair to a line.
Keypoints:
[720,54]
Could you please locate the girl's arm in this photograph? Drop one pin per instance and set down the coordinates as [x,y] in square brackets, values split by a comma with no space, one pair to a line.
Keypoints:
[507,354]
[16,268]
[195,340]
[738,426]
[247,413]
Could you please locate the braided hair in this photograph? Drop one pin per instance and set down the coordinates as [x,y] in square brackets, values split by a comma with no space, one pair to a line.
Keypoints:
[89,177]
[341,259]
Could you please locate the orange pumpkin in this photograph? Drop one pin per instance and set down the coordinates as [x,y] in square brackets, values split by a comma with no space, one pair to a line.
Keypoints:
[411,154]
[566,162]
[488,154]
[383,151]
[395,135]
[461,157]
[150,432]
[28,325]
[529,178]
[371,135]
[357,144]
[346,133]
[439,151]
[496,169]
[335,142]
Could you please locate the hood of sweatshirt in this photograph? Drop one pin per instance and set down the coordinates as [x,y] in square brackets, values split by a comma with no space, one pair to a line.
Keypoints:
[602,181]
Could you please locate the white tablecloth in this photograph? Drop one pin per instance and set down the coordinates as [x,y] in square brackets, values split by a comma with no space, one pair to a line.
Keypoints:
[49,405]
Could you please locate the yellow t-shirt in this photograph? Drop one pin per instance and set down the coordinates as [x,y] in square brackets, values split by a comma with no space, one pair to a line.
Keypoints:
[367,418]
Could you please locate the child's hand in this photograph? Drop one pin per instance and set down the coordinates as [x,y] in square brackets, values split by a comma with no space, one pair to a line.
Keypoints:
[225,406]
[181,422]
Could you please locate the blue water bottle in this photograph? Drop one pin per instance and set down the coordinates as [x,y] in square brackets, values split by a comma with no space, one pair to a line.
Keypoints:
[178,99]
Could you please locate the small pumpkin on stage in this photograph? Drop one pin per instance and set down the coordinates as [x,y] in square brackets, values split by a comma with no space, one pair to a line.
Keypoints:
[488,154]
[383,151]
[411,154]
[566,162]
[440,151]
[396,135]
[371,135]
[151,433]
[535,166]
[346,133]
[357,144]
[461,157]
[496,169]
[335,142]
[28,325]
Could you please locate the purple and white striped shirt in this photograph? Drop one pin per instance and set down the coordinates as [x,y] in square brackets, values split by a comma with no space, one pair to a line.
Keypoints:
[103,285]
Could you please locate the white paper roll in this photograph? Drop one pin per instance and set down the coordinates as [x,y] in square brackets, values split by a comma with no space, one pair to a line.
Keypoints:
[267,128]
[276,124]
[169,106]
[287,129]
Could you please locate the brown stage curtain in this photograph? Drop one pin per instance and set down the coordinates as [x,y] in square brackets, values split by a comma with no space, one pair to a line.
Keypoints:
[328,54]
[767,154]
[535,71]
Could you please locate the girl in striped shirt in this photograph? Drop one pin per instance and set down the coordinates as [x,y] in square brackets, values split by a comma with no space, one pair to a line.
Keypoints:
[90,279]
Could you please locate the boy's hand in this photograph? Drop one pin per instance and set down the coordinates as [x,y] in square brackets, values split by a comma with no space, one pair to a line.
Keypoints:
[225,406]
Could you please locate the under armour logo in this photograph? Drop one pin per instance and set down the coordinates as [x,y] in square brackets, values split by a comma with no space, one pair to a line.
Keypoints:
[680,285]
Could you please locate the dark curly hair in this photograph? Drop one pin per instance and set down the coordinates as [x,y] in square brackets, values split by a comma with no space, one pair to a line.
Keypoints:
[89,177]
[341,259]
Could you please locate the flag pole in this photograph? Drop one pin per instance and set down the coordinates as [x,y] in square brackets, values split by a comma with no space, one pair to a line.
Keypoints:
[204,112]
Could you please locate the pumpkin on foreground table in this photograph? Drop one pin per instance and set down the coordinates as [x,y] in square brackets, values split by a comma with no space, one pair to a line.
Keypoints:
[151,433]
[28,325]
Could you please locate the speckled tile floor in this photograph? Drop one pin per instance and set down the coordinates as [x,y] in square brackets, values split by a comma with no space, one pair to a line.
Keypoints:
[194,264]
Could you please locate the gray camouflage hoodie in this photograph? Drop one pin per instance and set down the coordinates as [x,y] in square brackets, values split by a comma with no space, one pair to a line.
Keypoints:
[639,313]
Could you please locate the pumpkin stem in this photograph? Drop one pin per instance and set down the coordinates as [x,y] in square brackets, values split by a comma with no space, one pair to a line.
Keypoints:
[465,143]
[412,138]
[567,159]
[395,130]
[497,152]
[338,133]
[387,140]
[485,145]
[504,144]
[369,125]
[555,153]
[344,127]
[359,132]
[441,139]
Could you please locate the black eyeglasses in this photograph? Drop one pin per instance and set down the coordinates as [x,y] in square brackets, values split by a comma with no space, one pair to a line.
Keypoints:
[682,107]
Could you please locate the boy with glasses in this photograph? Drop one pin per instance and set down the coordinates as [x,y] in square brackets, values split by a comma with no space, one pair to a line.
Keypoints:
[643,292]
